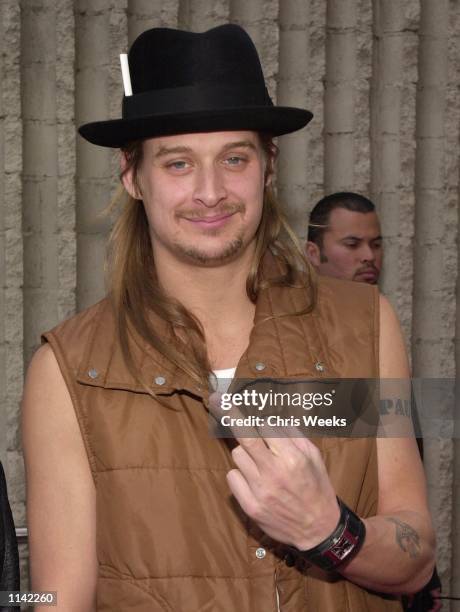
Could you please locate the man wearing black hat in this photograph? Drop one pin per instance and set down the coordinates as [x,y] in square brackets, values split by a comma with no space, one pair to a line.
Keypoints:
[129,494]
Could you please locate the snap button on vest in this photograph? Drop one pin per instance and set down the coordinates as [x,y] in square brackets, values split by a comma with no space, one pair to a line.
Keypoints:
[260,366]
[93,373]
[160,380]
[320,366]
[261,553]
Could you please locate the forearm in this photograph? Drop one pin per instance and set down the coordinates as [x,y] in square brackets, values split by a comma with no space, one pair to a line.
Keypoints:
[397,555]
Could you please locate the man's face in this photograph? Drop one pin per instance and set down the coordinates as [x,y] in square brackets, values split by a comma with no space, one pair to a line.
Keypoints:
[352,247]
[203,194]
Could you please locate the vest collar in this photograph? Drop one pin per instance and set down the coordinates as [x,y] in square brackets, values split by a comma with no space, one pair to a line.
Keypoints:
[103,364]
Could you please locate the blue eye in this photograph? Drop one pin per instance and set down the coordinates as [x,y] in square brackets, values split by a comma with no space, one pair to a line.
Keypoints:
[235,160]
[178,165]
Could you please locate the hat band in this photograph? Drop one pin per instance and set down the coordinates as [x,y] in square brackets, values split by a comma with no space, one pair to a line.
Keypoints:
[194,98]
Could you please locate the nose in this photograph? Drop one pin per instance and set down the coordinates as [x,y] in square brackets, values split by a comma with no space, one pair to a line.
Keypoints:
[209,187]
[367,253]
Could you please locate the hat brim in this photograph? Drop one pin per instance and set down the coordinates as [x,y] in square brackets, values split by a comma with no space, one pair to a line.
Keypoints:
[276,120]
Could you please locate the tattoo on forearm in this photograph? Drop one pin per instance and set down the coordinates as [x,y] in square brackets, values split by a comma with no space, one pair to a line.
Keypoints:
[407,538]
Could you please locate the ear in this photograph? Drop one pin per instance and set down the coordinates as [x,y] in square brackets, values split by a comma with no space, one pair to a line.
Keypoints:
[270,165]
[313,253]
[127,178]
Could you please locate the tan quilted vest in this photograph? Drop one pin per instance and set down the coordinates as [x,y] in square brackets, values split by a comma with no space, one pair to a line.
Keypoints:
[169,536]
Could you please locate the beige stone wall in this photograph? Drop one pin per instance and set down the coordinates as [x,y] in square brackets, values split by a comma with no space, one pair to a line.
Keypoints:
[382,78]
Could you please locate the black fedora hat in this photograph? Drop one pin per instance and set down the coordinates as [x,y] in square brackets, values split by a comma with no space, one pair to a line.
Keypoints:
[186,82]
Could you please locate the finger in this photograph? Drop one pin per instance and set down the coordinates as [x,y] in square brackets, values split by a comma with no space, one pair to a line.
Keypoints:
[248,437]
[281,455]
[242,491]
[231,418]
[278,434]
[294,454]
[275,447]
[281,446]
[305,446]
[258,450]
[245,464]
[312,455]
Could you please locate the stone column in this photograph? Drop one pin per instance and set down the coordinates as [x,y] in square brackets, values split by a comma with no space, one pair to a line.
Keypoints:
[294,167]
[145,14]
[101,35]
[393,94]
[435,263]
[11,257]
[200,15]
[339,95]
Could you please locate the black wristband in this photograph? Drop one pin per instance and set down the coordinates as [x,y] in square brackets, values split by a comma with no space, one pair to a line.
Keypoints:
[342,545]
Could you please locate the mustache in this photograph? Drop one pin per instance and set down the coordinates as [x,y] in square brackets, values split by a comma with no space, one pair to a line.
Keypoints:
[224,209]
[367,268]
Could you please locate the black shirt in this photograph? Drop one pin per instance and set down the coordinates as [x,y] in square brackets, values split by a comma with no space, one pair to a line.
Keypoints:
[9,559]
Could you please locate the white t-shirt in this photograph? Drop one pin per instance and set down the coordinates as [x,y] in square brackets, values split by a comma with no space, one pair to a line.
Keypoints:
[223,379]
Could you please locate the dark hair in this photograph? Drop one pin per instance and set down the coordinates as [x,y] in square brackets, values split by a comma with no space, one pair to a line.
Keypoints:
[319,216]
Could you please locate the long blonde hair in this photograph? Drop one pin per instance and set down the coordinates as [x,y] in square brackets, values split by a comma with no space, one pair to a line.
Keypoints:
[136,295]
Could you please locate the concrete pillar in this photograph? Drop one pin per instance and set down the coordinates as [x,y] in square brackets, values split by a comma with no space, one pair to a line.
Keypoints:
[11,252]
[145,14]
[435,270]
[316,79]
[48,180]
[11,259]
[259,19]
[339,98]
[66,159]
[361,95]
[452,137]
[294,167]
[200,15]
[101,35]
[3,358]
[455,560]
[393,94]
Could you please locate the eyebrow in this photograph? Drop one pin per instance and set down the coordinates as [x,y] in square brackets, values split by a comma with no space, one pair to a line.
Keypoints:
[351,237]
[162,151]
[240,144]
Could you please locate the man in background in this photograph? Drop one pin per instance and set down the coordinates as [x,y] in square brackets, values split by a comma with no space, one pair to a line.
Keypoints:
[345,241]
[344,238]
